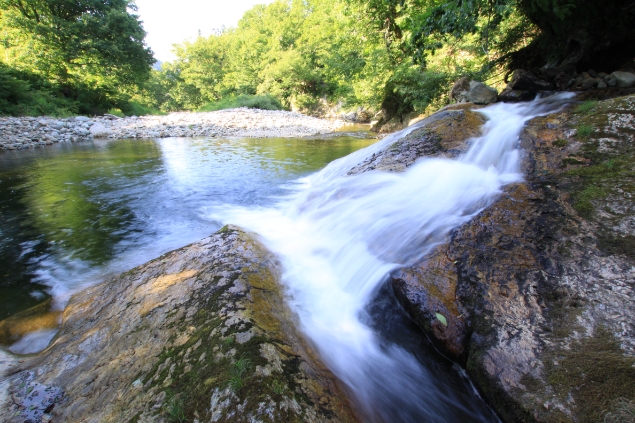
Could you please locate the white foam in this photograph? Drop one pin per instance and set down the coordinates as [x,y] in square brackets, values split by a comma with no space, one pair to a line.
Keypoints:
[340,236]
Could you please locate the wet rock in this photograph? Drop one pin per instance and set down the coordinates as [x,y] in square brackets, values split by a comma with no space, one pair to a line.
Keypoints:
[170,335]
[624,79]
[443,134]
[523,80]
[514,96]
[481,94]
[538,289]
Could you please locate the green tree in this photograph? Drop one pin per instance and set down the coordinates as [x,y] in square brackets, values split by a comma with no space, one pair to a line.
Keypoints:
[92,48]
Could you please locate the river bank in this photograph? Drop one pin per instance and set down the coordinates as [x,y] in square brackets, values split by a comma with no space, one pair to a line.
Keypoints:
[31,132]
[528,285]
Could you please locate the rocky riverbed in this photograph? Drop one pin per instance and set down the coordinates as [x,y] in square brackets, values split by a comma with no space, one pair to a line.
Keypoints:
[537,291]
[30,132]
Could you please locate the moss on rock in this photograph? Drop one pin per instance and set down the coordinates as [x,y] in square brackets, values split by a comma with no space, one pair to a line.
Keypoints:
[199,334]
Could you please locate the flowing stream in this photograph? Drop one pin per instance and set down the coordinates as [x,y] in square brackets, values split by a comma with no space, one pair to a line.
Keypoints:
[338,237]
[70,215]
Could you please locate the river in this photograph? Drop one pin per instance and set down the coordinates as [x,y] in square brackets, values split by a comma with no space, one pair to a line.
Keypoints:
[73,214]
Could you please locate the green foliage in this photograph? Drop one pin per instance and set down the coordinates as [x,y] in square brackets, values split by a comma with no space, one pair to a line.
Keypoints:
[309,55]
[176,412]
[133,108]
[583,200]
[586,107]
[264,102]
[116,112]
[79,56]
[585,131]
[278,387]
[441,318]
[238,371]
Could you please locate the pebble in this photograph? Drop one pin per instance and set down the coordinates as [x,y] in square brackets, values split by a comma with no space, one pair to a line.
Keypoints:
[30,132]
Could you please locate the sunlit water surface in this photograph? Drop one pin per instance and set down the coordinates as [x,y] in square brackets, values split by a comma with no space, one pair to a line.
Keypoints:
[72,214]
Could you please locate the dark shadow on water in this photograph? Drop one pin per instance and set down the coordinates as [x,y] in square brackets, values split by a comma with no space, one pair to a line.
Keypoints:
[430,388]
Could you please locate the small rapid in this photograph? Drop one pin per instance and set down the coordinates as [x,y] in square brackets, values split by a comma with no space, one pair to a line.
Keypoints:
[338,237]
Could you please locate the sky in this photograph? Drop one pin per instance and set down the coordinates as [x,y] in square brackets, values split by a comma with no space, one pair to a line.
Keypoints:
[168,21]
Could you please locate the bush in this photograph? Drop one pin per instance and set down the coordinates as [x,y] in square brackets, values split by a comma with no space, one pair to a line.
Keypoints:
[137,109]
[264,102]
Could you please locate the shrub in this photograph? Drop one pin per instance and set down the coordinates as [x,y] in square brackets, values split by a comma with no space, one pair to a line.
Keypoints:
[133,108]
[264,102]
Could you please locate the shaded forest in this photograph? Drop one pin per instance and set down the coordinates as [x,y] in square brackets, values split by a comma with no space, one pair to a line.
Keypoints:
[315,56]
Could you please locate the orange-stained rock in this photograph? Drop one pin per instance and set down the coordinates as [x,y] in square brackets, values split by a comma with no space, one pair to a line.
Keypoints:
[199,334]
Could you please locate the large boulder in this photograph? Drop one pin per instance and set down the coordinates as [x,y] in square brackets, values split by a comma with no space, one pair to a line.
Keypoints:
[98,130]
[466,91]
[199,334]
[624,79]
[460,89]
[538,290]
[523,80]
[481,94]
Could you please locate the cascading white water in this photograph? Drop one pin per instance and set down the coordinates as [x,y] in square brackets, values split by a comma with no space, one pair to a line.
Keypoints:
[339,236]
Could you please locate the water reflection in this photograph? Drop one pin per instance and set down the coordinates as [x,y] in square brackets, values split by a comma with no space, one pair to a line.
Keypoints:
[72,214]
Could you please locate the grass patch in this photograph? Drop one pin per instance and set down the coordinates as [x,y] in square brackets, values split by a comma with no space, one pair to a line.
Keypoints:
[622,411]
[240,367]
[586,107]
[560,143]
[593,181]
[278,387]
[584,199]
[176,412]
[264,102]
[585,131]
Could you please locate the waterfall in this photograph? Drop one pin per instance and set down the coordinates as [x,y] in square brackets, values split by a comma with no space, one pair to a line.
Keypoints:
[339,236]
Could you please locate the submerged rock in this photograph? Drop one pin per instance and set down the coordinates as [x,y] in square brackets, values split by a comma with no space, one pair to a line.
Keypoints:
[199,334]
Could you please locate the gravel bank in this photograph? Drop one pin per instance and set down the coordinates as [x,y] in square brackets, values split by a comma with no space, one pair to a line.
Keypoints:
[28,132]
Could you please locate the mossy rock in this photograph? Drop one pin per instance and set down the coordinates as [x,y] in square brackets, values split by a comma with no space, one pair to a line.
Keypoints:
[444,134]
[199,334]
[543,279]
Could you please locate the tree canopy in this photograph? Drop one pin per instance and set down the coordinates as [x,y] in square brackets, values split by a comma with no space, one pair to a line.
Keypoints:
[87,47]
[311,55]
